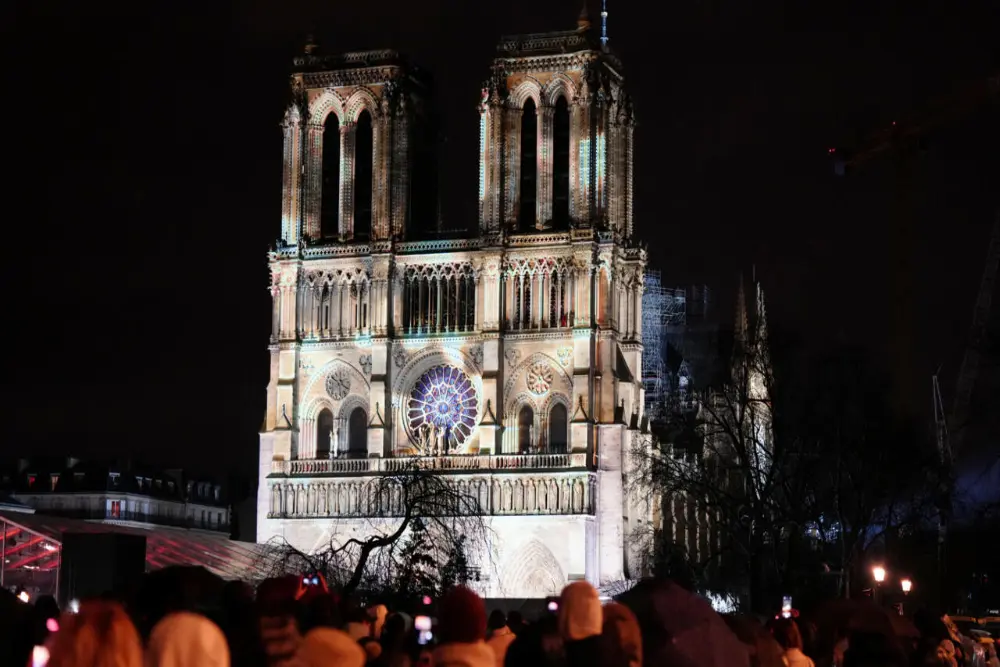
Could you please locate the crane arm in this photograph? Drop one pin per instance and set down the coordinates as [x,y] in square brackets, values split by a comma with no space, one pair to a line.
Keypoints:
[969,370]
[946,110]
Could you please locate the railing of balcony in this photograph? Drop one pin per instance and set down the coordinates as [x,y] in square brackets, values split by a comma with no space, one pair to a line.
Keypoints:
[138,517]
[305,468]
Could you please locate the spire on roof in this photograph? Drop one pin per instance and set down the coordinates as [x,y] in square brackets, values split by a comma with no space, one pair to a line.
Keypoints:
[583,23]
[604,23]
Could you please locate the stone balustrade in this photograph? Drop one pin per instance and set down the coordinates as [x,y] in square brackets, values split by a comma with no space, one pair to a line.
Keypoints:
[313,467]
[558,493]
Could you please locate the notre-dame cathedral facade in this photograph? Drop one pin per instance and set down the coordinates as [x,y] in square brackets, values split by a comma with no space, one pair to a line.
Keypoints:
[508,358]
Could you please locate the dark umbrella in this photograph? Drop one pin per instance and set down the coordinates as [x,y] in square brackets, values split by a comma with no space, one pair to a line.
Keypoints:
[681,629]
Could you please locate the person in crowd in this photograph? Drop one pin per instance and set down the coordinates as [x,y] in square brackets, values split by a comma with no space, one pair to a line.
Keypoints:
[329,647]
[279,628]
[396,641]
[786,632]
[581,622]
[378,613]
[461,631]
[500,636]
[515,621]
[763,650]
[621,638]
[358,624]
[184,639]
[873,649]
[99,635]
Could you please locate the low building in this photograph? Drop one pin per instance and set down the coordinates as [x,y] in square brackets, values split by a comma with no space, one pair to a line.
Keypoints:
[125,494]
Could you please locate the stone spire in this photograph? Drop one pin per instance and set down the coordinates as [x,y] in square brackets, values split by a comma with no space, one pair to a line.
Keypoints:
[583,22]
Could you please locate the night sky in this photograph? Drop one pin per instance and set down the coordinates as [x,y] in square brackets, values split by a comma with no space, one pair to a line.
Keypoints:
[145,150]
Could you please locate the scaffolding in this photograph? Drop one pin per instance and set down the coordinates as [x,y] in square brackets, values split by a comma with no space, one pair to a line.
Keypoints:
[670,315]
[661,307]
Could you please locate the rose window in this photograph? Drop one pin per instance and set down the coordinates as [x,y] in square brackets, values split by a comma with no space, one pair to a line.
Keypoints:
[445,398]
[539,378]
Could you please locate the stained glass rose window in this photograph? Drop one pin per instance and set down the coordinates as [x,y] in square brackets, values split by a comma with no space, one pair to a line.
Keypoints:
[443,396]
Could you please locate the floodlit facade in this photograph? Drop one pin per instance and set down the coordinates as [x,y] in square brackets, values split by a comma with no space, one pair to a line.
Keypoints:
[508,358]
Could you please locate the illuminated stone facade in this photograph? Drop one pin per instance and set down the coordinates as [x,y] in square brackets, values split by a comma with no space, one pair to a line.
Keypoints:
[508,359]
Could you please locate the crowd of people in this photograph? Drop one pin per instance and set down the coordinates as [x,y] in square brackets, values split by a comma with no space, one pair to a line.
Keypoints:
[297,622]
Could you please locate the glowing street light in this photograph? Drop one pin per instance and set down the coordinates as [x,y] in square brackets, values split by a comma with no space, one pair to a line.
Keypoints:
[878,573]
[907,586]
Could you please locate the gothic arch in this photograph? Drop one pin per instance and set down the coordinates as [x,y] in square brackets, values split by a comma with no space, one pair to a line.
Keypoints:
[514,405]
[531,571]
[425,359]
[328,102]
[556,397]
[348,405]
[313,406]
[559,85]
[557,370]
[362,98]
[420,364]
[529,88]
[320,377]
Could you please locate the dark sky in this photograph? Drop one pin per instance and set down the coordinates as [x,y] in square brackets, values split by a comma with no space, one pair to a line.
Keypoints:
[146,184]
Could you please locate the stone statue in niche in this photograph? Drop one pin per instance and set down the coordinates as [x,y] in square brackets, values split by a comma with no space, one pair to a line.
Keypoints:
[334,445]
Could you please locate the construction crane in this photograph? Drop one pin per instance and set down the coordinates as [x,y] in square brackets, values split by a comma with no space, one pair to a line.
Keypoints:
[899,137]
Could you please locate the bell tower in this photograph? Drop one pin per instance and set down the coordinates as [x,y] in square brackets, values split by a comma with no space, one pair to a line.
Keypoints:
[351,140]
[556,126]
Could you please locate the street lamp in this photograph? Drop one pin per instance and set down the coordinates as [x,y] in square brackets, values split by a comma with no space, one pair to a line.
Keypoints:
[906,585]
[878,574]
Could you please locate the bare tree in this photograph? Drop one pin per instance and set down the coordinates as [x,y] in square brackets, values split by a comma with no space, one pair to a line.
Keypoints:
[389,506]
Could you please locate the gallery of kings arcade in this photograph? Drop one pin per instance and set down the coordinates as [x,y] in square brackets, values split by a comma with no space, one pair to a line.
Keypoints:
[507,358]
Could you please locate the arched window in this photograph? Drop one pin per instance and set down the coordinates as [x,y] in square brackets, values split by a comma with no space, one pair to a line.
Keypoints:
[560,163]
[525,425]
[557,428]
[330,206]
[324,427]
[529,165]
[357,434]
[363,157]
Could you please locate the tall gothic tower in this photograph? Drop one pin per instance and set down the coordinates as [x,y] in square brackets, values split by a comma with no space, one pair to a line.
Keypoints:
[510,359]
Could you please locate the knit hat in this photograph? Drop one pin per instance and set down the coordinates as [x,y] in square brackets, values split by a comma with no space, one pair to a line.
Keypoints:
[580,613]
[183,639]
[461,616]
[326,646]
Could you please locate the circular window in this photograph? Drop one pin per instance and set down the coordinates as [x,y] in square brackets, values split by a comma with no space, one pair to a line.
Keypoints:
[443,399]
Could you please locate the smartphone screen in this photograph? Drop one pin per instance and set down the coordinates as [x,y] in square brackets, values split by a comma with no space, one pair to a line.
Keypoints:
[423,624]
[39,656]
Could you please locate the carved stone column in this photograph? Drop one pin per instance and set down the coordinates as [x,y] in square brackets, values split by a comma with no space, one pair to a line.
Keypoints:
[381,174]
[347,160]
[291,175]
[546,144]
[313,195]
[512,164]
[400,171]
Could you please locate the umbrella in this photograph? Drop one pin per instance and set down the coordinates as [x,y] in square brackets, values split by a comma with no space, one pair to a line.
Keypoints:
[680,628]
[861,616]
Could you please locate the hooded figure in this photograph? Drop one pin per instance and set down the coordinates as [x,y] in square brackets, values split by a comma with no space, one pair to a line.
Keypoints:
[581,622]
[184,639]
[462,628]
[323,647]
[621,637]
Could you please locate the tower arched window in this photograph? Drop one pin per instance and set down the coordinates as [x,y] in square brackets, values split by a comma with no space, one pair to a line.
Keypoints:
[324,429]
[357,434]
[529,165]
[560,162]
[330,206]
[558,419]
[525,426]
[363,157]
